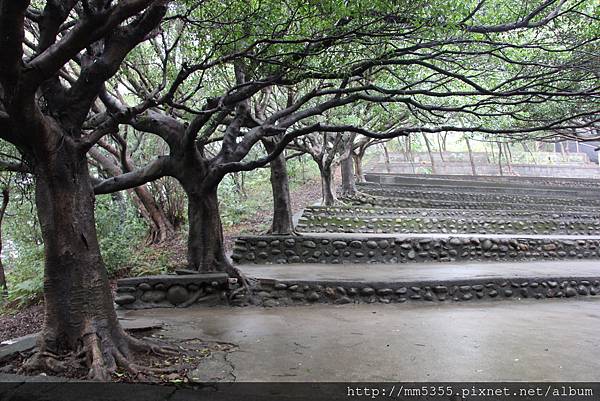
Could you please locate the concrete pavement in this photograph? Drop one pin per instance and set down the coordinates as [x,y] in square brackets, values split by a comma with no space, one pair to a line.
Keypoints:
[509,341]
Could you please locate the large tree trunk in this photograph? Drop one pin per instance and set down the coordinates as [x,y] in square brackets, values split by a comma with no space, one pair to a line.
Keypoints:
[206,244]
[206,249]
[79,312]
[5,199]
[348,180]
[327,190]
[282,223]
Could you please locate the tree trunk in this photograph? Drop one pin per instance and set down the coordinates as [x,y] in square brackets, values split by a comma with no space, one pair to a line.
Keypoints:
[411,157]
[358,170]
[161,228]
[473,169]
[5,199]
[526,148]
[282,223]
[500,158]
[440,147]
[328,195]
[79,312]
[386,157]
[431,158]
[206,246]
[348,180]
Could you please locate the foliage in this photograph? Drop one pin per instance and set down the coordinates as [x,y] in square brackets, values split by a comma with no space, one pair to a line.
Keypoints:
[120,231]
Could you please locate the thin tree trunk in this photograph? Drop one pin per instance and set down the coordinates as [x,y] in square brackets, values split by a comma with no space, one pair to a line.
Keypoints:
[471,160]
[5,199]
[527,149]
[431,158]
[328,195]
[440,147]
[348,179]
[161,228]
[358,170]
[282,223]
[500,158]
[386,157]
[410,154]
[508,158]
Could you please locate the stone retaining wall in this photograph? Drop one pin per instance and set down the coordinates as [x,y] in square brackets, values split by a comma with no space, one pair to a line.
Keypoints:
[169,291]
[391,178]
[399,202]
[392,192]
[491,188]
[512,215]
[463,168]
[435,225]
[364,249]
[284,293]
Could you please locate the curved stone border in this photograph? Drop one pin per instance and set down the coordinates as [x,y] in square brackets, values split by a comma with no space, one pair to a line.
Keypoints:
[314,249]
[285,293]
[169,291]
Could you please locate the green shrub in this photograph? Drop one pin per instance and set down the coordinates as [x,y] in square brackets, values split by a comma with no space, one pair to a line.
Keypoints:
[25,277]
[120,232]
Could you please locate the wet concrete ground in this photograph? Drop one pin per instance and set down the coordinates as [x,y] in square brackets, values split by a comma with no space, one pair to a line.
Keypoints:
[526,340]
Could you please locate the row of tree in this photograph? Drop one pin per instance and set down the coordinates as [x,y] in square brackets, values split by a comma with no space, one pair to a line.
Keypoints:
[196,90]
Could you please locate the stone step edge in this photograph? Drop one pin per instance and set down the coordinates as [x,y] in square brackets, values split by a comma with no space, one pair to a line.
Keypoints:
[272,292]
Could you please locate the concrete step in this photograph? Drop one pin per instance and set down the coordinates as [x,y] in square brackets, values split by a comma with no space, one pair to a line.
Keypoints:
[427,282]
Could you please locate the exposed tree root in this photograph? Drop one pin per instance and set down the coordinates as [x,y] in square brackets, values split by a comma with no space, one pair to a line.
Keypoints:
[242,279]
[103,355]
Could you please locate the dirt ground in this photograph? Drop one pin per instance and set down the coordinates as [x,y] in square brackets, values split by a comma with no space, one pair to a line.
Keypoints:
[26,321]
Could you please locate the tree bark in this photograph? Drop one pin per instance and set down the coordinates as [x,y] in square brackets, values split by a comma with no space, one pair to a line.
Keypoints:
[282,223]
[358,170]
[348,180]
[5,199]
[386,157]
[473,169]
[206,249]
[161,228]
[500,158]
[410,154]
[431,158]
[328,194]
[79,312]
